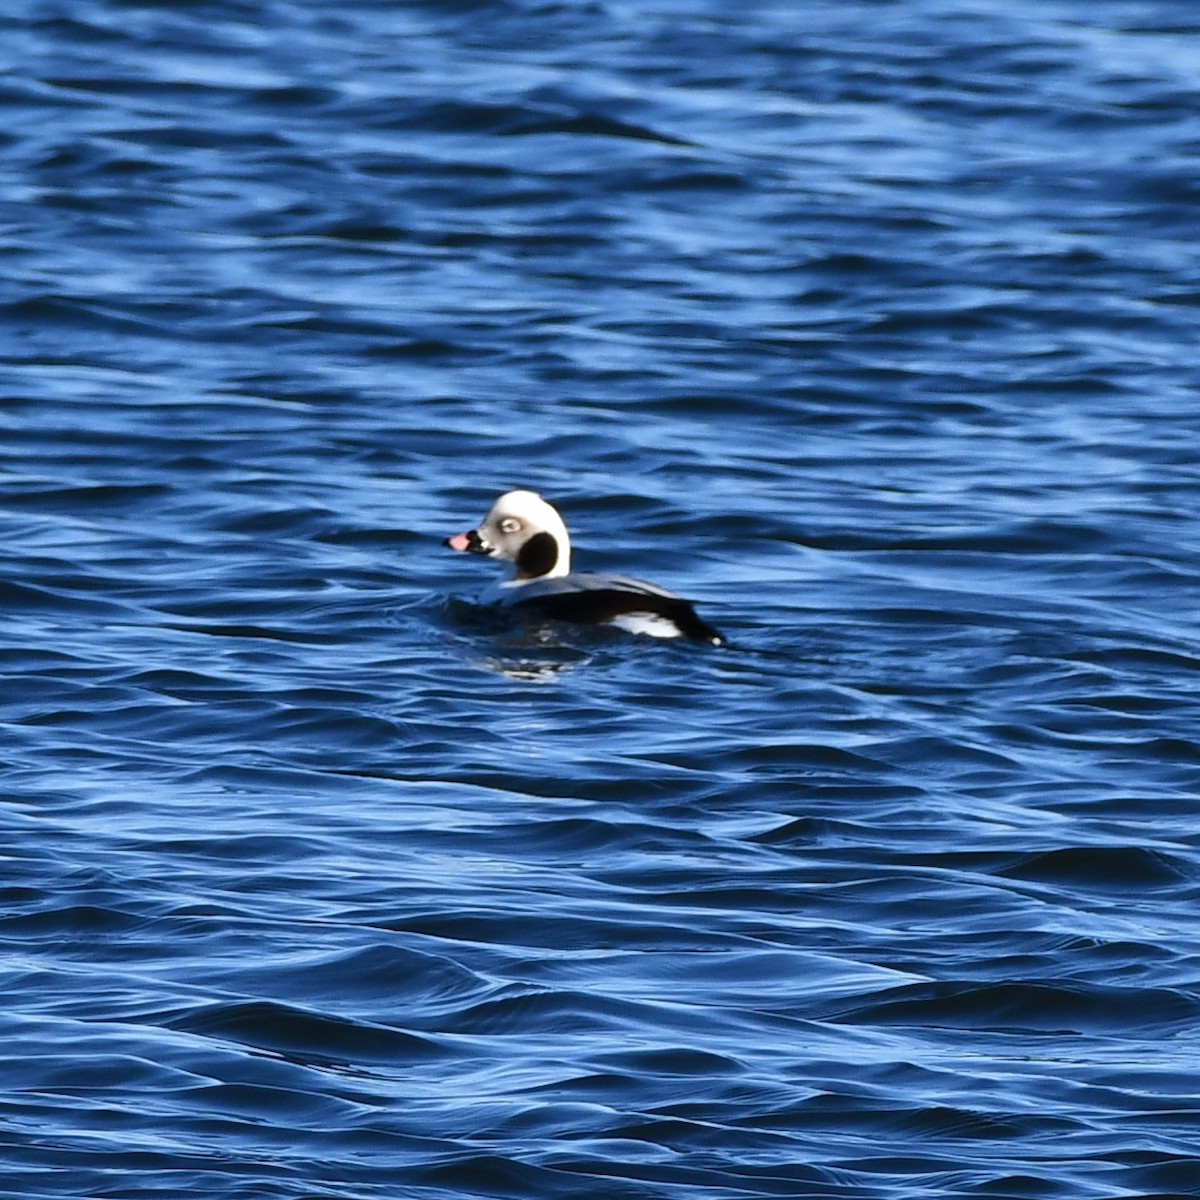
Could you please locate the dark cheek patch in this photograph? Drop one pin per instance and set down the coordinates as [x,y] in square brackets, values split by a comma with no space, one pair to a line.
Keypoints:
[538,556]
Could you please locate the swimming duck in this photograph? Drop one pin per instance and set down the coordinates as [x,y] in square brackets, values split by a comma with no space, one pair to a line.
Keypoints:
[524,530]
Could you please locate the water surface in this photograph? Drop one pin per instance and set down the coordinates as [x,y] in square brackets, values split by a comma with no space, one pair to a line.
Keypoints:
[868,327]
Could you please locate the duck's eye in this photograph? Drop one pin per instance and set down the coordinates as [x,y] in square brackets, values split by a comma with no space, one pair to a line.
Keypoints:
[510,525]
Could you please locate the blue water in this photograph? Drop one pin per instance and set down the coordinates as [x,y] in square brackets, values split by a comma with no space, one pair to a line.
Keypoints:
[871,327]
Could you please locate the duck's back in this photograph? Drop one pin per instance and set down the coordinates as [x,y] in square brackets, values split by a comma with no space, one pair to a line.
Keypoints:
[594,599]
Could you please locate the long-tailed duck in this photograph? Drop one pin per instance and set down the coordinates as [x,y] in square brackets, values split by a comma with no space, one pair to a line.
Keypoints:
[524,530]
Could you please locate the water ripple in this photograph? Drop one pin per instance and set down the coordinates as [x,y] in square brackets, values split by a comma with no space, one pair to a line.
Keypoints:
[860,325]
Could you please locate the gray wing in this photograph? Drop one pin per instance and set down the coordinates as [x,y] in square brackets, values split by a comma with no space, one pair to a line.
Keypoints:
[569,584]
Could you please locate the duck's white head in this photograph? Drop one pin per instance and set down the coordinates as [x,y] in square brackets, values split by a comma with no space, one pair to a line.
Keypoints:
[524,530]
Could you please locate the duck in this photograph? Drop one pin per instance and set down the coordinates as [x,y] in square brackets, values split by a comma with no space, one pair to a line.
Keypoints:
[528,532]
